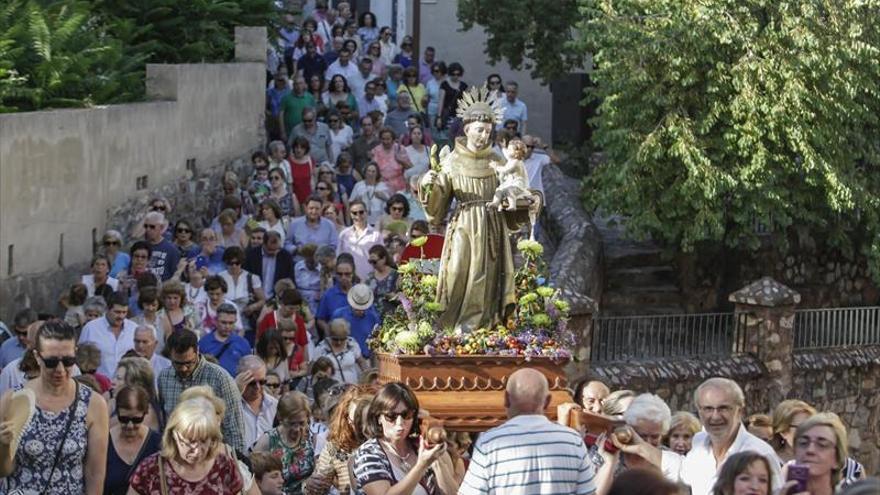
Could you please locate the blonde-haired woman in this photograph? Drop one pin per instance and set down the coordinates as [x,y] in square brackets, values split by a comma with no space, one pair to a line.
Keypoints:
[820,443]
[787,416]
[192,459]
[291,441]
[682,429]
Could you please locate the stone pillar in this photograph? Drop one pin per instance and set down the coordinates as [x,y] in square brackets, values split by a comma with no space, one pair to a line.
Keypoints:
[766,308]
[250,44]
[581,324]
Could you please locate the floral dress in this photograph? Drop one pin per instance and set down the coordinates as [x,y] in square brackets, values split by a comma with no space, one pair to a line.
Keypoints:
[381,289]
[222,479]
[297,463]
[35,456]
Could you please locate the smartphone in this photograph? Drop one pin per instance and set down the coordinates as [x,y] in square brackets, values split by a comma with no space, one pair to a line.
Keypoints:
[799,473]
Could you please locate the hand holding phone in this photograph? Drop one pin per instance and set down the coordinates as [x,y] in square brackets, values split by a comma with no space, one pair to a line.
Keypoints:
[798,474]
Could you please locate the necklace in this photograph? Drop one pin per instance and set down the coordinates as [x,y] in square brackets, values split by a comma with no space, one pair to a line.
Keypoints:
[404,464]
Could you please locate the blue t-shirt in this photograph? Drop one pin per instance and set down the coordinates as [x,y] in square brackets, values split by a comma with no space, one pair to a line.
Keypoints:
[237,348]
[362,327]
[332,300]
[120,264]
[164,259]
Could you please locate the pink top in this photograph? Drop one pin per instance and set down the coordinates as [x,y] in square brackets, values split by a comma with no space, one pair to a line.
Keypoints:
[389,167]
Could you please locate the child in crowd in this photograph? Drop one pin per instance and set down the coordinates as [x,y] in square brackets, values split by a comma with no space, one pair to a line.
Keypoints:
[259,186]
[321,368]
[267,473]
[76,297]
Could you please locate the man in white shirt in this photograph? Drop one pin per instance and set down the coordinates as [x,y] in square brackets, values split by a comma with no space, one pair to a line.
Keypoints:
[357,82]
[146,342]
[257,407]
[342,66]
[514,108]
[528,454]
[113,334]
[720,402]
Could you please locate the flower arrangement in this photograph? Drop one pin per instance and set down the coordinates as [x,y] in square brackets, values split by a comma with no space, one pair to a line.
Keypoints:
[537,327]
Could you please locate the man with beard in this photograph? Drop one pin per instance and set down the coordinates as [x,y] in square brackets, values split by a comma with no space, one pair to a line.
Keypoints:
[720,403]
[113,334]
[190,369]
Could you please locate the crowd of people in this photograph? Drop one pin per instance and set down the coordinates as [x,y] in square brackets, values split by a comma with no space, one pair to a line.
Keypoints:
[232,357]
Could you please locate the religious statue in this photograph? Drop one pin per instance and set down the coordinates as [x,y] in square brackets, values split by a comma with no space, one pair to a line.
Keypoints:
[475,283]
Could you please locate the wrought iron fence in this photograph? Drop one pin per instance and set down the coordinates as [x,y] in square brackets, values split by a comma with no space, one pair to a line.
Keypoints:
[624,338]
[836,327]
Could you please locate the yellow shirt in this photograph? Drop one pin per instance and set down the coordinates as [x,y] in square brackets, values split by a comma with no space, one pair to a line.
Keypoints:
[418,93]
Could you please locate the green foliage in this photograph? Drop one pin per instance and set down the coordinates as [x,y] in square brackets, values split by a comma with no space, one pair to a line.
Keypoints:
[717,116]
[173,31]
[52,56]
[529,34]
[77,53]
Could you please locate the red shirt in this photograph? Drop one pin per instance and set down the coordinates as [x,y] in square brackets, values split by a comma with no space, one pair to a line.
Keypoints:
[301,175]
[270,321]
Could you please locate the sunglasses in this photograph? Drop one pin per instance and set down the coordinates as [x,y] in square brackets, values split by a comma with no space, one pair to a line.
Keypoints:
[308,121]
[158,207]
[455,73]
[339,339]
[233,262]
[343,274]
[261,383]
[112,243]
[391,417]
[396,208]
[333,121]
[358,212]
[290,339]
[134,420]
[275,178]
[52,362]
[150,226]
[273,384]
[372,261]
[184,231]
[495,83]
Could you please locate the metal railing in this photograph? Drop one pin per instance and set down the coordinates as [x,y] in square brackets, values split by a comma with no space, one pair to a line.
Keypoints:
[836,327]
[625,338]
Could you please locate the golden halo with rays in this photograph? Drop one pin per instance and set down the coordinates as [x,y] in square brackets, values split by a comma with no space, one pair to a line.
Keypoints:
[476,105]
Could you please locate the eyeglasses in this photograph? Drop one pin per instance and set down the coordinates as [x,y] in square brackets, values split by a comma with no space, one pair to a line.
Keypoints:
[391,417]
[357,212]
[52,362]
[184,231]
[820,443]
[150,226]
[112,243]
[723,410]
[185,364]
[134,420]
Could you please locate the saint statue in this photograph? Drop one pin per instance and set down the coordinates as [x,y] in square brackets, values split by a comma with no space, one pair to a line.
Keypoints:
[475,286]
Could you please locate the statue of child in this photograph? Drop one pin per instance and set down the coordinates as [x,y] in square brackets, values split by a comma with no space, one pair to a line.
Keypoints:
[512,178]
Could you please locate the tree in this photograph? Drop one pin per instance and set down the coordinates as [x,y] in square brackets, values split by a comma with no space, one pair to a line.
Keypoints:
[715,116]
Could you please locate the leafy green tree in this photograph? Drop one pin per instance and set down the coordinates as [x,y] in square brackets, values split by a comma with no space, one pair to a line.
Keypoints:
[717,116]
[173,31]
[54,57]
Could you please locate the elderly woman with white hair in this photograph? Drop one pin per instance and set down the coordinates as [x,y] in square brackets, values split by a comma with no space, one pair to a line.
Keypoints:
[111,244]
[647,420]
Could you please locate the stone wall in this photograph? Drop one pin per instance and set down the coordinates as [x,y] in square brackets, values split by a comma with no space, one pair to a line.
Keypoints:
[68,175]
[843,380]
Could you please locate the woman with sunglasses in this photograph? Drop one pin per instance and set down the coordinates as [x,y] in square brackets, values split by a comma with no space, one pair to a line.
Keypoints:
[183,239]
[288,205]
[496,87]
[66,414]
[450,92]
[395,460]
[387,46]
[291,441]
[130,440]
[119,260]
[374,53]
[405,56]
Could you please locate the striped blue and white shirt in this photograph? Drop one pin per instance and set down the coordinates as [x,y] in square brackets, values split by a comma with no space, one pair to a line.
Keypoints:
[527,455]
